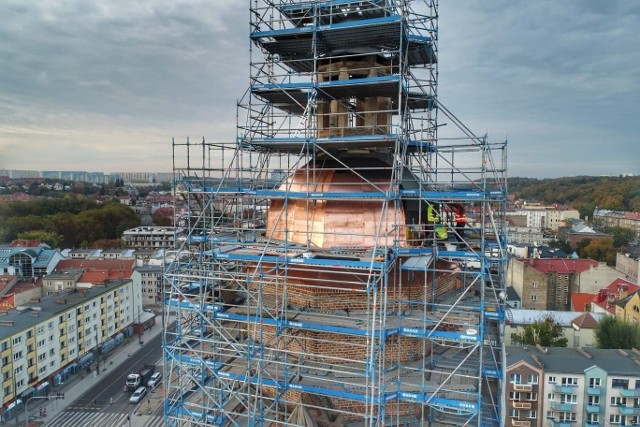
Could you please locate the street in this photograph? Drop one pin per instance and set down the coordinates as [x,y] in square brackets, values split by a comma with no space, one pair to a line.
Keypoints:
[106,404]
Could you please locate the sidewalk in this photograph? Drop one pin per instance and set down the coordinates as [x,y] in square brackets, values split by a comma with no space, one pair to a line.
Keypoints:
[77,385]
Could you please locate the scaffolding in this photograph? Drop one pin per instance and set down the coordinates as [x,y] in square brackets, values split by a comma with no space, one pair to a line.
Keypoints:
[343,266]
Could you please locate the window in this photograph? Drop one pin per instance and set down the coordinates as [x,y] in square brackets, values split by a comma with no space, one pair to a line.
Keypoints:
[594,400]
[17,340]
[595,382]
[534,297]
[593,418]
[568,398]
[552,380]
[614,419]
[619,383]
[618,401]
[532,396]
[532,379]
[514,413]
[571,381]
[532,414]
[567,416]
[551,397]
[4,346]
[514,395]
[17,356]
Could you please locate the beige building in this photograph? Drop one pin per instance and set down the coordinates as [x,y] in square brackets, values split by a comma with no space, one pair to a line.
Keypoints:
[628,308]
[40,339]
[629,266]
[151,237]
[546,217]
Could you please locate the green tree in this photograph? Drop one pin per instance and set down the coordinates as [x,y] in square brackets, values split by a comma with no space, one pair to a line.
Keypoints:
[546,331]
[600,250]
[621,236]
[586,210]
[49,237]
[612,332]
[562,244]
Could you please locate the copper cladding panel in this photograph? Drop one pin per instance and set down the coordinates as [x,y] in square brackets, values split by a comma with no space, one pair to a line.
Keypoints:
[335,223]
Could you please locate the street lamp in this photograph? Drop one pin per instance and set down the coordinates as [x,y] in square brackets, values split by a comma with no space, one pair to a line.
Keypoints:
[26,405]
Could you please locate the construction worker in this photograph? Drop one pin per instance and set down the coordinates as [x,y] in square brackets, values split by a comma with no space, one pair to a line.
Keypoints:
[460,219]
[434,227]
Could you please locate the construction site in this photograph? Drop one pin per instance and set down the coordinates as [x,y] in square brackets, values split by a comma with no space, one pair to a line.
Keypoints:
[344,265]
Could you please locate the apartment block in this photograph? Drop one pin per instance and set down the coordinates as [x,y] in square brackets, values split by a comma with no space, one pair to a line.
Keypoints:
[151,237]
[43,338]
[572,387]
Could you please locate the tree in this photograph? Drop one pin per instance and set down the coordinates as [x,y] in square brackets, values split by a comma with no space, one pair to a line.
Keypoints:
[562,244]
[49,237]
[621,236]
[612,332]
[546,331]
[600,250]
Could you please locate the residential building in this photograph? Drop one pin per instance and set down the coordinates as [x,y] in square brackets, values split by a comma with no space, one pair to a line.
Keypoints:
[84,273]
[150,278]
[545,217]
[39,340]
[628,308]
[151,237]
[608,218]
[523,394]
[581,387]
[607,298]
[577,327]
[548,283]
[629,265]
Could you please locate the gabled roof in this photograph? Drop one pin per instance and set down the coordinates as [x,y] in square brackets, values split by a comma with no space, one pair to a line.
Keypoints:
[585,321]
[608,297]
[561,265]
[623,302]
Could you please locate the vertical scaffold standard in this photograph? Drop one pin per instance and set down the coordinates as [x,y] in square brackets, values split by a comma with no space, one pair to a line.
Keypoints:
[344,264]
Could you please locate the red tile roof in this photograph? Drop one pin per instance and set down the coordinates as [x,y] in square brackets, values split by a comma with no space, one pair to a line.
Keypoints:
[579,301]
[99,270]
[586,321]
[609,296]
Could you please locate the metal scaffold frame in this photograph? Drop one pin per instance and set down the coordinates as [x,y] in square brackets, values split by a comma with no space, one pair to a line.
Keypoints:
[343,264]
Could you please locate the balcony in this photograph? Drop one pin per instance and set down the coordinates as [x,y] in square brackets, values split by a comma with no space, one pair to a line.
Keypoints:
[522,405]
[564,389]
[520,423]
[561,423]
[562,407]
[592,424]
[522,387]
[594,391]
[593,409]
[631,392]
[630,410]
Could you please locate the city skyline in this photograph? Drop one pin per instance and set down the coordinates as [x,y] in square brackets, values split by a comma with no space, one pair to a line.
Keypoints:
[104,87]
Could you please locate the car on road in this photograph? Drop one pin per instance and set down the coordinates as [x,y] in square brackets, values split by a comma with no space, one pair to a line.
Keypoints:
[137,395]
[155,380]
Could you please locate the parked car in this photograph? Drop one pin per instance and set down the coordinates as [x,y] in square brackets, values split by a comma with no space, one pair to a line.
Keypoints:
[155,380]
[137,395]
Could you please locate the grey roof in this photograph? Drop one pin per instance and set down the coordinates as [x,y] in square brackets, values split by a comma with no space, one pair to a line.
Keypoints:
[28,315]
[569,360]
[564,318]
[149,268]
[512,295]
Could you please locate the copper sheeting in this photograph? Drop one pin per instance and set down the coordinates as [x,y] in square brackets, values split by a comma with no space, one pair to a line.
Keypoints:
[336,223]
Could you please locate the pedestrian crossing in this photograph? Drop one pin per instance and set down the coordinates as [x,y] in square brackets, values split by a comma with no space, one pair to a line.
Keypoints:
[103,419]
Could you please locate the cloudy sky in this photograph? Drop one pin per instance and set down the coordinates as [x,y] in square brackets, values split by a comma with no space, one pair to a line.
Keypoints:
[104,85]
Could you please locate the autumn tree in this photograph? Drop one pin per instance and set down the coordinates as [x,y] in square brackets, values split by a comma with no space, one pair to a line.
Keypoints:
[546,332]
[612,332]
[600,250]
[49,237]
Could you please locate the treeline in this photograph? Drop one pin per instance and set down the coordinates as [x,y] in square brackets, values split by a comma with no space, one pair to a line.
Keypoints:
[581,192]
[69,222]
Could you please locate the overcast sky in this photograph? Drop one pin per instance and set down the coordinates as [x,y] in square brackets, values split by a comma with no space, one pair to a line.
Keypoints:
[105,85]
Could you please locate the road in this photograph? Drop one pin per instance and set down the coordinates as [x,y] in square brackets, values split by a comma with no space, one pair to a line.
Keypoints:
[106,404]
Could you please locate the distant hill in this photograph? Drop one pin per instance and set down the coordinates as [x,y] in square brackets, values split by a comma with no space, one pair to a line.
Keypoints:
[581,192]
